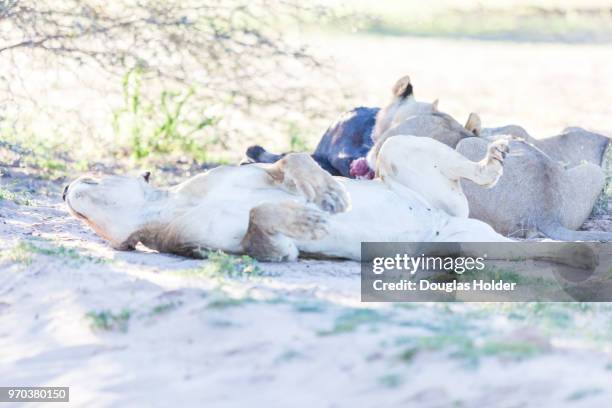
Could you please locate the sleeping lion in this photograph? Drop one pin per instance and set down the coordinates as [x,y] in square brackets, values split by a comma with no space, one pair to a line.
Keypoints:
[276,212]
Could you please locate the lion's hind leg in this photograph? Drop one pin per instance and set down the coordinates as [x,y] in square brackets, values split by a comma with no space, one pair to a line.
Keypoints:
[434,170]
[273,229]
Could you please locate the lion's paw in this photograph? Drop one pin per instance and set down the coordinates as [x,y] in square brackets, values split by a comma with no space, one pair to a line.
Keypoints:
[332,196]
[304,223]
[493,163]
[308,179]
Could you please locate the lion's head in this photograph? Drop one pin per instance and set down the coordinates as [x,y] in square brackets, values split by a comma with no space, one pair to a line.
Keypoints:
[402,106]
[114,206]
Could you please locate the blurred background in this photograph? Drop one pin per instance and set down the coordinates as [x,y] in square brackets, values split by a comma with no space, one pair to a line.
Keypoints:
[87,85]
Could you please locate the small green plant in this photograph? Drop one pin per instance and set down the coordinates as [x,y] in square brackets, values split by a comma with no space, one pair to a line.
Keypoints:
[551,315]
[220,264]
[463,347]
[109,321]
[164,308]
[221,323]
[23,251]
[17,198]
[81,165]
[584,393]
[408,354]
[49,156]
[50,164]
[289,355]
[350,320]
[227,302]
[19,253]
[509,349]
[390,380]
[62,252]
[163,127]
[309,307]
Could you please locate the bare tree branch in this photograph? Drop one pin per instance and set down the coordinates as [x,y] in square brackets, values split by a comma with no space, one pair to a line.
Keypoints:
[234,43]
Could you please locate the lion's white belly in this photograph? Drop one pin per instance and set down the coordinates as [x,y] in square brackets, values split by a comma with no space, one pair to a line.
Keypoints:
[377,213]
[224,215]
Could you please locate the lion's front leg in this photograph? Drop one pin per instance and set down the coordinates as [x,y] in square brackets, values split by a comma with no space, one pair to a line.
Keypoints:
[274,227]
[299,174]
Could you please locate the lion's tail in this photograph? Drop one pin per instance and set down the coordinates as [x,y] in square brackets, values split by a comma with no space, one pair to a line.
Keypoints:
[257,154]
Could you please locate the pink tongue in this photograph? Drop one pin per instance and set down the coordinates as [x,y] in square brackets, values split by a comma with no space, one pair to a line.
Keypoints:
[359,169]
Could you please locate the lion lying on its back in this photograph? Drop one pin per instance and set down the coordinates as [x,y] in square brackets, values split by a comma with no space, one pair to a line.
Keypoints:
[278,211]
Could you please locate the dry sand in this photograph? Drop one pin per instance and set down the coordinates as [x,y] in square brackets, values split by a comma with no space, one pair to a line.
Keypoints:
[298,336]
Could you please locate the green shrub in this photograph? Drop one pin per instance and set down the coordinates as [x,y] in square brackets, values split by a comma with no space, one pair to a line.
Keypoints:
[165,126]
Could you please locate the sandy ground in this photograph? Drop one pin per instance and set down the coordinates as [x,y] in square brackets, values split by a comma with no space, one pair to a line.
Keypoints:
[298,335]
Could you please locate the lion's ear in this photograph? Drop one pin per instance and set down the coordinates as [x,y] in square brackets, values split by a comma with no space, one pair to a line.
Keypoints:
[402,88]
[473,124]
[434,105]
